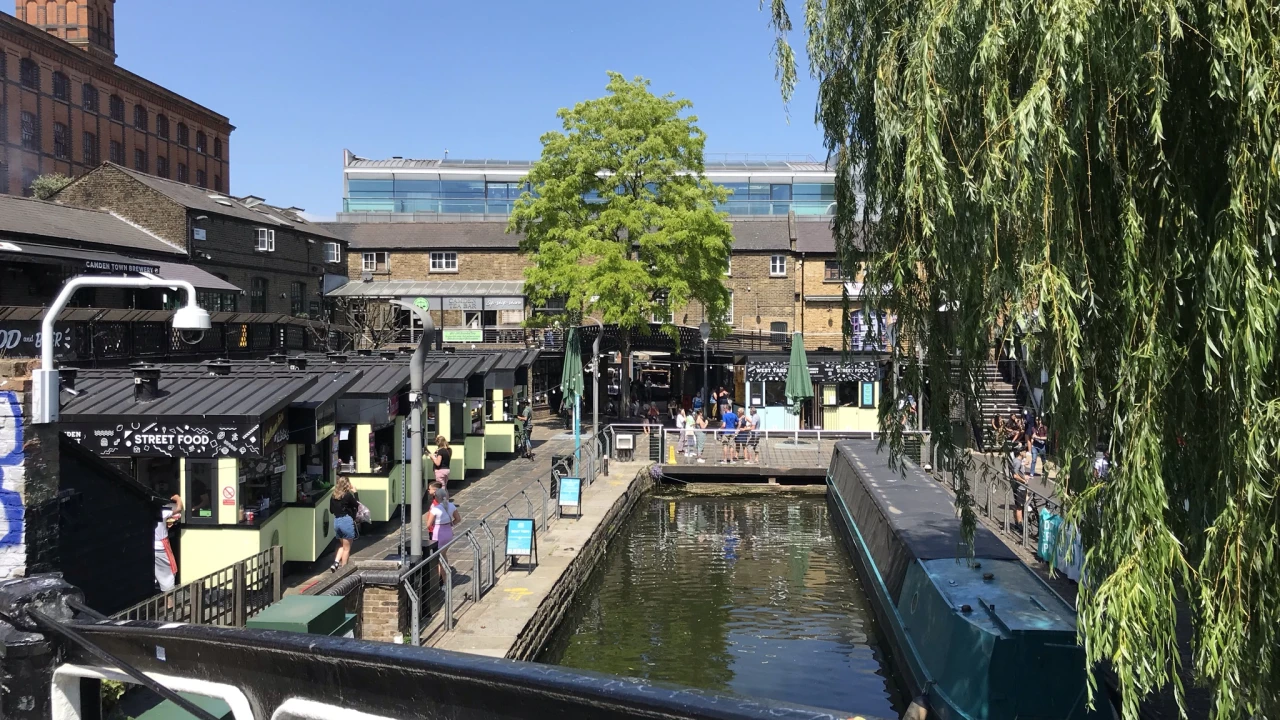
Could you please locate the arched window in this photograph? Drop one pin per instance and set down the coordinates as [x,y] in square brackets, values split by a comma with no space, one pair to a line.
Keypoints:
[89,97]
[201,143]
[217,148]
[116,108]
[182,134]
[140,118]
[162,127]
[61,86]
[73,13]
[29,73]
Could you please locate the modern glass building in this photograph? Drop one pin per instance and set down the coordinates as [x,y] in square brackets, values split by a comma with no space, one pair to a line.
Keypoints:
[481,189]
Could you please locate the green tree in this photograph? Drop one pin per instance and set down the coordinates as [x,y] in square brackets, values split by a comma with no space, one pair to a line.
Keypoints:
[620,213]
[1107,175]
[46,186]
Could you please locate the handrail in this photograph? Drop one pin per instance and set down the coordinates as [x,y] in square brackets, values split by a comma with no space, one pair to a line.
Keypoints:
[188,602]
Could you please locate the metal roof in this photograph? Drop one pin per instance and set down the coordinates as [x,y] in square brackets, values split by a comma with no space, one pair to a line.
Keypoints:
[194,275]
[99,393]
[42,219]
[431,288]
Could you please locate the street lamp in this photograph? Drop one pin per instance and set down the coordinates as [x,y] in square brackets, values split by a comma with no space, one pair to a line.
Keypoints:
[190,318]
[595,379]
[704,329]
[416,371]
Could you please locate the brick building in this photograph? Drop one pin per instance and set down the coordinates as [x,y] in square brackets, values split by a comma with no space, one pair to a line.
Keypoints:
[65,106]
[282,262]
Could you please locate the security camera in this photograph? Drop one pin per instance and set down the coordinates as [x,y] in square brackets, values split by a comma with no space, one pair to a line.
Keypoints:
[191,322]
[191,337]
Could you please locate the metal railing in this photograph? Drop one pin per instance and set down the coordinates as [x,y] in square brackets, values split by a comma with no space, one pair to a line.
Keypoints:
[438,587]
[768,448]
[227,597]
[995,490]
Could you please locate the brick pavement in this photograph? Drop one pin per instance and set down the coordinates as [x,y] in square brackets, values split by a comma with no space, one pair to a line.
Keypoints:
[479,494]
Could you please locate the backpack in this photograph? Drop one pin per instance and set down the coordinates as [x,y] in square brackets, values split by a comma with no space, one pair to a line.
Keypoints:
[362,513]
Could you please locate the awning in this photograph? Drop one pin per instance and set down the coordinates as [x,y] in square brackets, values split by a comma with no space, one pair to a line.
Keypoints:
[194,275]
[432,288]
[90,260]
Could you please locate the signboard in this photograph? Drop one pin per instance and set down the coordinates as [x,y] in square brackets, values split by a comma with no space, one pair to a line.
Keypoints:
[21,338]
[823,371]
[120,266]
[326,420]
[570,492]
[464,336]
[393,407]
[229,495]
[868,395]
[195,439]
[504,303]
[421,303]
[521,540]
[199,234]
[455,303]
[277,433]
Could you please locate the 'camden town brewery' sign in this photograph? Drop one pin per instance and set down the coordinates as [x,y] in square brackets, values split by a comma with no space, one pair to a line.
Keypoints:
[198,438]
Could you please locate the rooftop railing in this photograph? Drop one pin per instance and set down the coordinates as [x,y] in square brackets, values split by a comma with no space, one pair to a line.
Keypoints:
[482,208]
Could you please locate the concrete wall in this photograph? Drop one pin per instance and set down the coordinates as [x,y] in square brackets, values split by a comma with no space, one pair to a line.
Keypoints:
[29,466]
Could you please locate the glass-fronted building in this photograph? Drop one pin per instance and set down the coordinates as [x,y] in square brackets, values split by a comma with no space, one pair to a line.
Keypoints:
[475,189]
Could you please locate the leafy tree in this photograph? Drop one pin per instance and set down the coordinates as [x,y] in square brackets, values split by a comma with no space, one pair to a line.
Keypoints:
[620,211]
[46,186]
[1106,175]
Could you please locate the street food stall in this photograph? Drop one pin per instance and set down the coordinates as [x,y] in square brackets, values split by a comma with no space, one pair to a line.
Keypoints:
[846,390]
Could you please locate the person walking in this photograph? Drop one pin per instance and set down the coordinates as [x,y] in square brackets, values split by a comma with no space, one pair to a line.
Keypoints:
[729,429]
[525,417]
[681,421]
[700,434]
[746,428]
[166,564]
[440,521]
[440,460]
[344,505]
[1039,443]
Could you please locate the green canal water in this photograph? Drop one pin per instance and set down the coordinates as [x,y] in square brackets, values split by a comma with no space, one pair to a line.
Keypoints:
[748,595]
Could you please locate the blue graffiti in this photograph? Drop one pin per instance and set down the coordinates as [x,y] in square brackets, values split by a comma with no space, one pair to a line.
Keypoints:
[11,507]
[11,455]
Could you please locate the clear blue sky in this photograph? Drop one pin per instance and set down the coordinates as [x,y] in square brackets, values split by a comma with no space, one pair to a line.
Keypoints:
[302,79]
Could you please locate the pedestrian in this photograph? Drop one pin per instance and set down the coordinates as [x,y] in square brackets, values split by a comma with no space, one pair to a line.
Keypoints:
[743,438]
[1039,443]
[691,433]
[440,521]
[1018,482]
[729,429]
[701,434]
[1014,428]
[681,421]
[344,505]
[726,406]
[754,441]
[654,416]
[165,562]
[697,403]
[524,416]
[440,460]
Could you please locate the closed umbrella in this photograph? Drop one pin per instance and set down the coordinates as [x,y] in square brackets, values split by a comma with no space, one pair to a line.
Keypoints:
[572,385]
[799,386]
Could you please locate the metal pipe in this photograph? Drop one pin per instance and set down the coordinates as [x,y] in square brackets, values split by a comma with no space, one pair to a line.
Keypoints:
[448,595]
[595,379]
[416,405]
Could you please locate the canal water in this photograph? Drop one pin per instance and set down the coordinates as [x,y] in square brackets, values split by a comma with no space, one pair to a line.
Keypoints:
[748,595]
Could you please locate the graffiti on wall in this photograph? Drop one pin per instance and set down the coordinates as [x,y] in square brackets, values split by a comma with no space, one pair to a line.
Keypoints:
[11,469]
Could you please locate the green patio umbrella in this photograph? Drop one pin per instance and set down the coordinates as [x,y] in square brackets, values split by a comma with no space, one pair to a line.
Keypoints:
[799,386]
[572,384]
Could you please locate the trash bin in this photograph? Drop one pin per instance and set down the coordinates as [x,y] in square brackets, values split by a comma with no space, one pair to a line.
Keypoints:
[563,464]
[315,614]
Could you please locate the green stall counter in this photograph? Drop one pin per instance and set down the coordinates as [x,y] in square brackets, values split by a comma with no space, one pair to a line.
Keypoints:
[500,437]
[474,446]
[314,614]
[379,493]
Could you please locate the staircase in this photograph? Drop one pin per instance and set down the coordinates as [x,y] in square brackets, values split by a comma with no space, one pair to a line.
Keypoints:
[998,398]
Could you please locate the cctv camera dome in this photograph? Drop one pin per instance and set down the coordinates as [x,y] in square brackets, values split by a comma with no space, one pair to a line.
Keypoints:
[191,317]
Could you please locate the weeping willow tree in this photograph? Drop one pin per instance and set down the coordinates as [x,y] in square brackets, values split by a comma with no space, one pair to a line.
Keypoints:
[1105,176]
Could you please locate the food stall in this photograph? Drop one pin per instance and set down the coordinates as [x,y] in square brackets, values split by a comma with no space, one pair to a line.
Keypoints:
[228,433]
[846,390]
[370,432]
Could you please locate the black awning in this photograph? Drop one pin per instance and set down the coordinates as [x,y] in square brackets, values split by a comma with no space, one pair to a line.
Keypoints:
[90,260]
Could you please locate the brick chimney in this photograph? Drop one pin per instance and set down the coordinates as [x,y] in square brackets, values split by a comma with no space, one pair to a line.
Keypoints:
[88,24]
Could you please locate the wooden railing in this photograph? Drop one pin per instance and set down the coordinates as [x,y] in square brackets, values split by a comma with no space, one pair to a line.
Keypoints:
[227,597]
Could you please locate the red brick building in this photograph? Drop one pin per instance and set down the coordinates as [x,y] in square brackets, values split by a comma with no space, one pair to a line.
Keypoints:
[66,107]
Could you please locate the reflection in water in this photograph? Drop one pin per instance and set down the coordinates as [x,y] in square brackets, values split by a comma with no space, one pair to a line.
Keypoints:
[750,595]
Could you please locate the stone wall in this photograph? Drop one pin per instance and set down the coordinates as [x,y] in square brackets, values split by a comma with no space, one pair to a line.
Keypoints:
[30,470]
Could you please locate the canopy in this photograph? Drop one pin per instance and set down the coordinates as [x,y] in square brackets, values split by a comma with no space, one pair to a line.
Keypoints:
[799,386]
[571,377]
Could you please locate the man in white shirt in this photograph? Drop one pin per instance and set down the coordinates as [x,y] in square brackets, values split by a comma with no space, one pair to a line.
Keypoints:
[680,425]
[166,564]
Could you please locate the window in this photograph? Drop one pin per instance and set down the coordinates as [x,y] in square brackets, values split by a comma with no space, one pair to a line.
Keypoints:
[258,295]
[662,315]
[162,127]
[162,166]
[217,148]
[116,108]
[140,118]
[61,141]
[728,315]
[115,152]
[89,97]
[61,87]
[728,266]
[266,239]
[201,476]
[444,262]
[183,137]
[200,178]
[217,183]
[182,173]
[376,262]
[200,141]
[30,132]
[832,272]
[778,266]
[140,160]
[90,149]
[29,73]
[332,252]
[297,298]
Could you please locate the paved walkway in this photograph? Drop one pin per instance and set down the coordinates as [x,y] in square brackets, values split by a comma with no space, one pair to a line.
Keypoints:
[478,495]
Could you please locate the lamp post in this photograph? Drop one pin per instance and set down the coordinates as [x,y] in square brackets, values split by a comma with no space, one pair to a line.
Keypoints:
[704,329]
[44,384]
[595,381]
[416,404]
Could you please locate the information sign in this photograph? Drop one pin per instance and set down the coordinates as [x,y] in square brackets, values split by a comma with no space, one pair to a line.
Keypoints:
[522,541]
[570,492]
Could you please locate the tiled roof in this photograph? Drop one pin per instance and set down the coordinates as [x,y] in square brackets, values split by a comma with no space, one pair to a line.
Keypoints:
[817,236]
[40,219]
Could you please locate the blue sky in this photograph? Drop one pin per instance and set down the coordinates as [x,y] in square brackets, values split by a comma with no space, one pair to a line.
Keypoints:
[302,79]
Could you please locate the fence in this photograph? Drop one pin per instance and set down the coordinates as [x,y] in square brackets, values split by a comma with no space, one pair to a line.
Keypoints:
[227,597]
[767,448]
[994,493]
[438,589]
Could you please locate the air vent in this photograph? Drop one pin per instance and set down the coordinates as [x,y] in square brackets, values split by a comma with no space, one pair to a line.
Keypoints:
[221,368]
[68,377]
[337,358]
[297,363]
[277,359]
[146,383]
